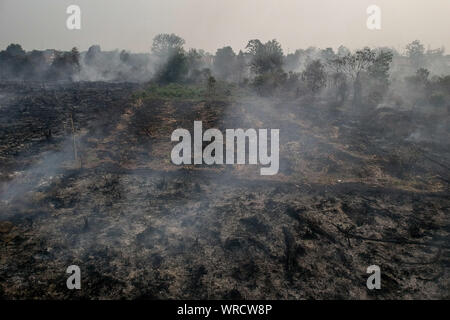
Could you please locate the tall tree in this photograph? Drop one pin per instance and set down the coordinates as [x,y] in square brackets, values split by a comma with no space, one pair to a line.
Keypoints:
[266,57]
[415,52]
[174,67]
[165,44]
[92,54]
[352,65]
[224,62]
[379,69]
[315,76]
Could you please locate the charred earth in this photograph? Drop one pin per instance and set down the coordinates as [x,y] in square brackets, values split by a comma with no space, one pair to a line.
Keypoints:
[86,179]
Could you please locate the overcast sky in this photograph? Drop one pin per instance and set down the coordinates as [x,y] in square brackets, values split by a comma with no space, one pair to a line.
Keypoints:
[211,24]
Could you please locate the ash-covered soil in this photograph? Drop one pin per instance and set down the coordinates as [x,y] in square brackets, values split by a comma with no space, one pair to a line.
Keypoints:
[86,179]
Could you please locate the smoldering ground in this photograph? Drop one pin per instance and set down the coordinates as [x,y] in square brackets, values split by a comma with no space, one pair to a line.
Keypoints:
[360,183]
[140,227]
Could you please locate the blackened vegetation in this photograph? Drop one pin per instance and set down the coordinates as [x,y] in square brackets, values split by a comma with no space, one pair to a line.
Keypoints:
[140,227]
[86,179]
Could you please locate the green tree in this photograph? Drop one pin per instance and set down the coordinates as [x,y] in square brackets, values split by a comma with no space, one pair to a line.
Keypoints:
[415,52]
[211,86]
[315,76]
[65,65]
[13,62]
[75,59]
[343,51]
[379,69]
[266,62]
[92,54]
[266,57]
[353,65]
[174,69]
[167,44]
[420,79]
[224,62]
[15,50]
[174,61]
[241,66]
[194,59]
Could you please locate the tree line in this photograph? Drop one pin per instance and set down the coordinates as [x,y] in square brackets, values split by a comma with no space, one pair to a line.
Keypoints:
[363,75]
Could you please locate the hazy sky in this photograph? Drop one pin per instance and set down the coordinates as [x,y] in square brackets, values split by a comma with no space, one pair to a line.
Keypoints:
[211,24]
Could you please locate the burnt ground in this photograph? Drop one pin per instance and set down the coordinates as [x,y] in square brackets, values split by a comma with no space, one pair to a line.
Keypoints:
[353,190]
